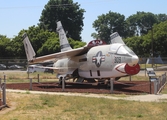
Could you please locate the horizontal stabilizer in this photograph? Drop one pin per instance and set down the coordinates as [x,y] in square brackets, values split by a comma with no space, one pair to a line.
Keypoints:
[28,48]
[53,68]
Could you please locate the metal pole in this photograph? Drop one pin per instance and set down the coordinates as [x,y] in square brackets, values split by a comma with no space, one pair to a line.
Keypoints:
[4,92]
[130,78]
[111,85]
[30,83]
[63,83]
[4,78]
[160,81]
[28,72]
[38,78]
[150,85]
[155,86]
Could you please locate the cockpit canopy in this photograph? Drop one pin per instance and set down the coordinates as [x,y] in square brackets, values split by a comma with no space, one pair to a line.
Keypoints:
[121,49]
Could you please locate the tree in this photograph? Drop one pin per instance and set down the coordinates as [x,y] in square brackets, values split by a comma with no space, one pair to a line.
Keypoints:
[106,24]
[161,17]
[67,12]
[142,45]
[52,45]
[160,39]
[4,46]
[140,23]
[43,41]
[132,25]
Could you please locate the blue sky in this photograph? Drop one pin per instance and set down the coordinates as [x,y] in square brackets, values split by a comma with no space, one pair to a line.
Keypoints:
[16,15]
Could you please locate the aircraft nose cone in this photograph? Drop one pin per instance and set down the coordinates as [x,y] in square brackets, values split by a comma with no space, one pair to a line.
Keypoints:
[134,60]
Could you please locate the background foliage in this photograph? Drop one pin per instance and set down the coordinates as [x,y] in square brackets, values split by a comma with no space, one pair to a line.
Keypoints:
[139,31]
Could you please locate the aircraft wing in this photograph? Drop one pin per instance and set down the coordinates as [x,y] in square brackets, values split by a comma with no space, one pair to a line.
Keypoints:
[69,53]
[66,50]
[60,55]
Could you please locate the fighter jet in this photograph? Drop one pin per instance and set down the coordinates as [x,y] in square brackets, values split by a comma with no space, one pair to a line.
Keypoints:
[96,60]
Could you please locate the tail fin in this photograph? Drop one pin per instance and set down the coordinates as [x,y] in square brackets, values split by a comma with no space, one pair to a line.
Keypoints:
[115,38]
[64,44]
[28,48]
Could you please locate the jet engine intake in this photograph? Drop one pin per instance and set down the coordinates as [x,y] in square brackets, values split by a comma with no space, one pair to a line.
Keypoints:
[132,70]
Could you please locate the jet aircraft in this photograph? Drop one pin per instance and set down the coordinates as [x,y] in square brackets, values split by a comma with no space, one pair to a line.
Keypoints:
[96,60]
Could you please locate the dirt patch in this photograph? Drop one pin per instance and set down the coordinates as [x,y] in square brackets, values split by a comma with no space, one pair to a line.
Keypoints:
[11,106]
[120,87]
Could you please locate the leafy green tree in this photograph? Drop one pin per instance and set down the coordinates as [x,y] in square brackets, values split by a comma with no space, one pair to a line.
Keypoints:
[132,25]
[52,45]
[141,22]
[106,24]
[135,43]
[76,44]
[161,17]
[142,45]
[37,37]
[4,46]
[160,39]
[146,21]
[95,35]
[43,41]
[69,13]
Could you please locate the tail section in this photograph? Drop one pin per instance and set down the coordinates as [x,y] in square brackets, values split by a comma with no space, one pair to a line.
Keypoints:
[64,44]
[115,38]
[28,48]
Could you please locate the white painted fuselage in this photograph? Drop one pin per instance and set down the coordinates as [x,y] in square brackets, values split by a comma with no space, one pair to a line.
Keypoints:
[105,61]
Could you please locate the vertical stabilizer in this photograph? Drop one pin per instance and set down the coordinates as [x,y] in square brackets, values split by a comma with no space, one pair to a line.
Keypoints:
[64,44]
[28,48]
[115,38]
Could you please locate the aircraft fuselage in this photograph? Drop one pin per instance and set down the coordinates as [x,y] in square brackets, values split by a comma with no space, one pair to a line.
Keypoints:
[105,61]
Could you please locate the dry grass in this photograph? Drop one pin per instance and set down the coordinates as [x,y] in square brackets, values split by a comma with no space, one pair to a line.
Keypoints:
[54,107]
[135,78]
[22,76]
[25,75]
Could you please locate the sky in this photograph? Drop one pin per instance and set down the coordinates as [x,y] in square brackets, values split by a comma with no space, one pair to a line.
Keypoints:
[16,15]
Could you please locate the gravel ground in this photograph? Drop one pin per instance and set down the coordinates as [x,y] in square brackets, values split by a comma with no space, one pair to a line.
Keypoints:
[120,87]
